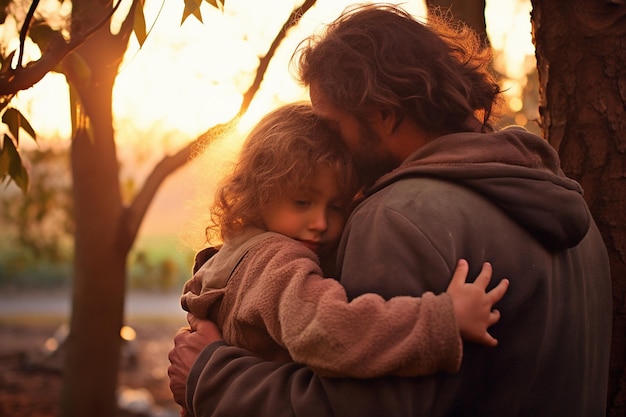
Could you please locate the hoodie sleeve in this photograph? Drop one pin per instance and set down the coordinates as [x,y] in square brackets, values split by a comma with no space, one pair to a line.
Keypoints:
[275,389]
[367,337]
[228,381]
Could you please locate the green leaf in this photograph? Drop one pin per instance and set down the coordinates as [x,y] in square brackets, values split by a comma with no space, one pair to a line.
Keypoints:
[139,24]
[192,7]
[11,118]
[11,164]
[25,124]
[218,4]
[15,120]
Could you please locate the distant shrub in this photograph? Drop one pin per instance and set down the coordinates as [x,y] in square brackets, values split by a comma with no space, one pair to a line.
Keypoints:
[154,272]
[22,272]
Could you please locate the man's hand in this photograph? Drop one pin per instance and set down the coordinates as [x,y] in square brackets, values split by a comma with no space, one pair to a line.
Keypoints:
[188,343]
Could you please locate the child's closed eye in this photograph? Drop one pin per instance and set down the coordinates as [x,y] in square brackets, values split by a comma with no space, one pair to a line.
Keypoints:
[302,203]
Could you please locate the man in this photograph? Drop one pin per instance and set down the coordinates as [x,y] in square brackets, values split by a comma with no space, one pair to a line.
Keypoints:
[413,103]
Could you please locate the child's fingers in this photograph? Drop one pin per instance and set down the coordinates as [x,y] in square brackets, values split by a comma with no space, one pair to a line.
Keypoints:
[484,277]
[489,340]
[460,274]
[494,317]
[498,291]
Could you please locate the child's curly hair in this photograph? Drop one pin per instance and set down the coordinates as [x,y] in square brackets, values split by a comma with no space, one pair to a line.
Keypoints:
[280,155]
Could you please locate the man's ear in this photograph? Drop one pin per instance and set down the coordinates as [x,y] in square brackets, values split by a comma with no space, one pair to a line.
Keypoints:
[384,120]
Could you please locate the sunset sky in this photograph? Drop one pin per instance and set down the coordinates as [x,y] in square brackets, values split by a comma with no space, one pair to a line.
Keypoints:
[187,78]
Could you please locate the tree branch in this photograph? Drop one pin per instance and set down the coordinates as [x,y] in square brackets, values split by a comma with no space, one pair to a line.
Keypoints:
[21,78]
[24,31]
[134,214]
[136,211]
[264,62]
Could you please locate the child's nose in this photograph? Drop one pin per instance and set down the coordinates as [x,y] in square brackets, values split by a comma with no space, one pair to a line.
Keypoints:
[318,221]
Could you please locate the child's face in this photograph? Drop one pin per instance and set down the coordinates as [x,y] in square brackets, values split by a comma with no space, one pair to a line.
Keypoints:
[314,215]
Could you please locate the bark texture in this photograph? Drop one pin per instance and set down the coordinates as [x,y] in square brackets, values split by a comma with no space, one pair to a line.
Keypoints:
[90,374]
[581,60]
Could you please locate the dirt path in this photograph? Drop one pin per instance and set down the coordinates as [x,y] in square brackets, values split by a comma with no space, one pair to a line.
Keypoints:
[31,386]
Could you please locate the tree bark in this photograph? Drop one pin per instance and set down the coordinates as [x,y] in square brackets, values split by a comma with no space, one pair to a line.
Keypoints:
[105,228]
[581,60]
[93,355]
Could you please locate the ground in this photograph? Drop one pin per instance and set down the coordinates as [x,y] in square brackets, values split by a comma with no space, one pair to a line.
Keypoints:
[30,381]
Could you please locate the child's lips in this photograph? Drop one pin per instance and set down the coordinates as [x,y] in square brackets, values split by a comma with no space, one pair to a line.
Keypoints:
[311,244]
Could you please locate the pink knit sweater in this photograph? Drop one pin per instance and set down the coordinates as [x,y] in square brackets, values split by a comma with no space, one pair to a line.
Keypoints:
[267,294]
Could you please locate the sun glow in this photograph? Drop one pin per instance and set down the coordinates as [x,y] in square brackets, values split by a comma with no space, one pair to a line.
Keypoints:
[187,78]
[509,28]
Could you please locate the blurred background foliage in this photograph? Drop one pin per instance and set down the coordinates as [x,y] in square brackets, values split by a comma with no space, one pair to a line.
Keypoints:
[36,249]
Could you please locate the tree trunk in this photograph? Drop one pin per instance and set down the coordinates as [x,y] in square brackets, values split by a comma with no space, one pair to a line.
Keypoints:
[90,377]
[581,59]
[93,355]
[105,228]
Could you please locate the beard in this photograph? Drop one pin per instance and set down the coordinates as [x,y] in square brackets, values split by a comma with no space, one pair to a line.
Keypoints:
[370,160]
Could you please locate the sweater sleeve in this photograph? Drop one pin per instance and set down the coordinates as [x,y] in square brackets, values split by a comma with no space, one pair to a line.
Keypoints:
[364,338]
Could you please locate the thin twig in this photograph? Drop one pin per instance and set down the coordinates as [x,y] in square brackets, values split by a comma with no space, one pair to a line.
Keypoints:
[24,31]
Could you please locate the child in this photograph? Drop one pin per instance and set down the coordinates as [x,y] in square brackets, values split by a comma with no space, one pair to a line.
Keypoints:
[286,203]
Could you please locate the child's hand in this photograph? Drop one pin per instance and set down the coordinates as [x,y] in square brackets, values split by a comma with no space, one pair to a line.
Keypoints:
[473,306]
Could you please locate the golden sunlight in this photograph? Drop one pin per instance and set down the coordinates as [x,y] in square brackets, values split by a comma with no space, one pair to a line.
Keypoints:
[187,78]
[509,27]
[191,77]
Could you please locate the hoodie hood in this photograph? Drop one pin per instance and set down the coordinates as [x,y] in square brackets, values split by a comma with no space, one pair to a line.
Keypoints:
[516,170]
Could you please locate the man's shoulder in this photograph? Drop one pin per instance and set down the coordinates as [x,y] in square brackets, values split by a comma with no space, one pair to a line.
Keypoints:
[425,204]
[416,192]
